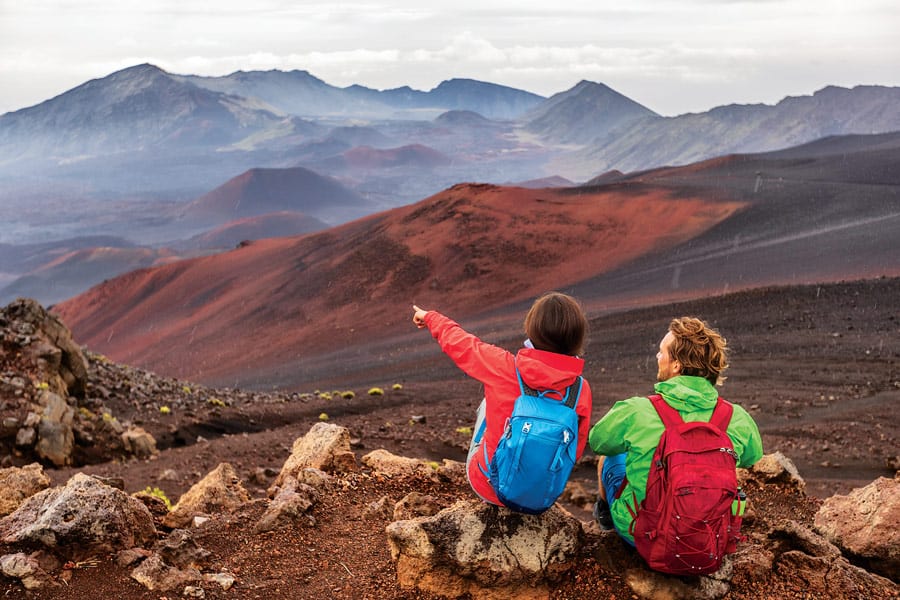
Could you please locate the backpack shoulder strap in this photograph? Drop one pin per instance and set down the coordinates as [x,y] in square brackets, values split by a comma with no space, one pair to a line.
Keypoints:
[720,418]
[721,415]
[525,389]
[670,417]
[573,392]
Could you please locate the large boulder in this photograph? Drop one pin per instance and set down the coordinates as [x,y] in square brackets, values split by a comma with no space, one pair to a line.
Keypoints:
[44,373]
[220,491]
[486,551]
[19,484]
[805,563]
[82,518]
[775,468]
[47,343]
[325,447]
[384,463]
[865,524]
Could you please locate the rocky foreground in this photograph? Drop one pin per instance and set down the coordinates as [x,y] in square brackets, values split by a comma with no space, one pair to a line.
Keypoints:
[89,536]
[335,520]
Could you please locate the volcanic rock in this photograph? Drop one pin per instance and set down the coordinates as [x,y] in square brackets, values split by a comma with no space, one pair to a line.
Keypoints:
[220,491]
[777,467]
[415,505]
[866,524]
[25,568]
[290,503]
[155,574]
[325,447]
[138,442]
[19,484]
[384,463]
[486,551]
[67,518]
[47,344]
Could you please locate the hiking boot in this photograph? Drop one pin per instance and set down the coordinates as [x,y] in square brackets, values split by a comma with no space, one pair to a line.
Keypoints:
[602,514]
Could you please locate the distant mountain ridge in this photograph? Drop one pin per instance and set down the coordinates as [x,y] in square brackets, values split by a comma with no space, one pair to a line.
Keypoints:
[132,110]
[300,93]
[220,126]
[737,128]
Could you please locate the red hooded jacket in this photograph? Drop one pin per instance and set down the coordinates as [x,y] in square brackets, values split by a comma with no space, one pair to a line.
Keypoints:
[496,369]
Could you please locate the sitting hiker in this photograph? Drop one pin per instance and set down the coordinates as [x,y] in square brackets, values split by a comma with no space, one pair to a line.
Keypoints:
[691,359]
[535,399]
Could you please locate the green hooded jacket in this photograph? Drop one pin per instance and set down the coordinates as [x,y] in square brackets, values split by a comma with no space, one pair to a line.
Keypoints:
[632,426]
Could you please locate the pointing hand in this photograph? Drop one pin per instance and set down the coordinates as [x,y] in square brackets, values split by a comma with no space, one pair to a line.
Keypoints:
[419,316]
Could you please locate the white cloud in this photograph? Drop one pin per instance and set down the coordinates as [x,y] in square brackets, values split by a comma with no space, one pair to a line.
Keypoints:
[671,55]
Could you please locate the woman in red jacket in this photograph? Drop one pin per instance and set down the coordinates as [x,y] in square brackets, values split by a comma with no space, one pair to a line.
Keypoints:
[556,328]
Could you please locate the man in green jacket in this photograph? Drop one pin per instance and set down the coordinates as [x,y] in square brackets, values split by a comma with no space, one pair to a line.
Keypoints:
[691,360]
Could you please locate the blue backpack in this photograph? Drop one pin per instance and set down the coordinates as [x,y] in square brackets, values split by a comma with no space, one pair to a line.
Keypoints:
[537,452]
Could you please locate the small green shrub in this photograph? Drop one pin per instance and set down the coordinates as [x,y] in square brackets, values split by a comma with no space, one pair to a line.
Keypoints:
[323,417]
[376,391]
[164,410]
[397,387]
[158,493]
[348,395]
[215,402]
[464,430]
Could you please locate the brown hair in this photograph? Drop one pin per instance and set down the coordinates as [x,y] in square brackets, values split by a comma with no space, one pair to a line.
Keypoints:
[699,348]
[556,323]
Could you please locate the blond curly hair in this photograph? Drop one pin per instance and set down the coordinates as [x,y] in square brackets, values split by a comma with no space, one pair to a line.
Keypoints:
[699,348]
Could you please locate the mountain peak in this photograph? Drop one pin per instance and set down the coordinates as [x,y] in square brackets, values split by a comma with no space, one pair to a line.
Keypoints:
[141,70]
[586,112]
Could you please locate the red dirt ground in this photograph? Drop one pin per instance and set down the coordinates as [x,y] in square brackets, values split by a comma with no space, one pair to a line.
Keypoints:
[816,366]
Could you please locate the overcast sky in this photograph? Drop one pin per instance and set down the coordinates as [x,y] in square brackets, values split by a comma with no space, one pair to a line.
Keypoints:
[673,56]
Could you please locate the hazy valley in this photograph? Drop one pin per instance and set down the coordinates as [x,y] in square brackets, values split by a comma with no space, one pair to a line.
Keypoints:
[236,258]
[160,160]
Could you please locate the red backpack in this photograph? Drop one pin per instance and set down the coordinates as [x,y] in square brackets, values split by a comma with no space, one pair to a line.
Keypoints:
[685,524]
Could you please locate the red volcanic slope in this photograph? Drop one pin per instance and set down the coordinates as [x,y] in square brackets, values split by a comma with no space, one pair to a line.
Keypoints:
[278,224]
[465,250]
